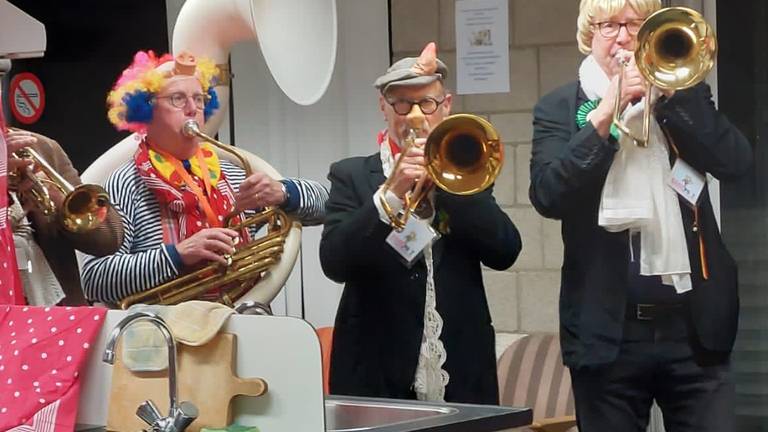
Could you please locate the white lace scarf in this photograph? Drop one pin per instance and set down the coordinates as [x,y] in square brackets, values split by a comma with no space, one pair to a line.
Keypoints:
[636,196]
[430,379]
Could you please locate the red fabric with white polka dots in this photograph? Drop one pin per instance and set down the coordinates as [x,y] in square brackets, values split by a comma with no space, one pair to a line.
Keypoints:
[42,354]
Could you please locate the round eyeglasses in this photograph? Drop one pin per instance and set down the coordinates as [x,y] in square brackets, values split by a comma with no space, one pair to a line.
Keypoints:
[610,29]
[428,105]
[179,100]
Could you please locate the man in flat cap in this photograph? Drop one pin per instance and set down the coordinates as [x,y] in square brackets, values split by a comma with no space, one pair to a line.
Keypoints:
[413,322]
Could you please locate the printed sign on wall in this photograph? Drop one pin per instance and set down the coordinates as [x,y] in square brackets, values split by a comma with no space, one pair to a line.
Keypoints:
[482,46]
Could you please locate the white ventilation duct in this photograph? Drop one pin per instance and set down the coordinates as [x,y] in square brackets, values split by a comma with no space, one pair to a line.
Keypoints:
[297,38]
[21,36]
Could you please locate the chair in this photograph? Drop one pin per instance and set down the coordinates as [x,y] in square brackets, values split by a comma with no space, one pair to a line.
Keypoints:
[531,373]
[325,334]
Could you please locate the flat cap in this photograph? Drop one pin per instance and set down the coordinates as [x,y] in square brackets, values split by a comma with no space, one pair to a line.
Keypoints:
[414,71]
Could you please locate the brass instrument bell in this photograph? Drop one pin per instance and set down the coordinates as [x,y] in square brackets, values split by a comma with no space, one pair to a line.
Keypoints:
[676,49]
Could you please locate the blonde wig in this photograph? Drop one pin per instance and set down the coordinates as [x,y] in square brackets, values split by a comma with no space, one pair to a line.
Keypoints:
[590,10]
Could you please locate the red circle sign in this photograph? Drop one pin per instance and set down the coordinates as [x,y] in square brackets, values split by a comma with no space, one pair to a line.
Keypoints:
[27,97]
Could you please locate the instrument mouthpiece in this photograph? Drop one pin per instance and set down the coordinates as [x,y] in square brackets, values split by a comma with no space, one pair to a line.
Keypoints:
[190,128]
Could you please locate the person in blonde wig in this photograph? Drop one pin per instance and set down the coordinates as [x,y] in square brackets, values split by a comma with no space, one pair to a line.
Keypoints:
[590,9]
[648,301]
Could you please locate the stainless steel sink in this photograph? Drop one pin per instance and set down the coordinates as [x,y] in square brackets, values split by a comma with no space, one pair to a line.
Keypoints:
[351,414]
[348,416]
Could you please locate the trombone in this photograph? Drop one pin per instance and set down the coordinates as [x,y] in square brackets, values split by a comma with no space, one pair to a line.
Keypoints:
[676,49]
[84,207]
[464,156]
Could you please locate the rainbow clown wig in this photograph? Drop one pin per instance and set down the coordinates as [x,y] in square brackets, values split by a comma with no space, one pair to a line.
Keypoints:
[131,100]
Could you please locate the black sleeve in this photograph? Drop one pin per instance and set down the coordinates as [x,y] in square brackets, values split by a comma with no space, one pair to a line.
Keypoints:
[353,235]
[704,137]
[564,164]
[478,222]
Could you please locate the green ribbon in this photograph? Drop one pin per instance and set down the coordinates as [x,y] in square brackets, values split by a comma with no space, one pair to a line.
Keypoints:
[586,108]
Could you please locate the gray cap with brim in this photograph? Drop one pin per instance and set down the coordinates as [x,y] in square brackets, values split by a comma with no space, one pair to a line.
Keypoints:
[401,74]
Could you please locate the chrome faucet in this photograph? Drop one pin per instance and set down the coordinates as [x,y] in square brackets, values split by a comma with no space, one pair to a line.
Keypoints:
[180,415]
[253,308]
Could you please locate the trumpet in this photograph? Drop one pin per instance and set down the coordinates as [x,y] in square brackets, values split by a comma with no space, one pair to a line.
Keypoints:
[464,156]
[244,268]
[676,49]
[84,207]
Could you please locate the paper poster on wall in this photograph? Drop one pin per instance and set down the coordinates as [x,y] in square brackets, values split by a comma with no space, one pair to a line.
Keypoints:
[482,46]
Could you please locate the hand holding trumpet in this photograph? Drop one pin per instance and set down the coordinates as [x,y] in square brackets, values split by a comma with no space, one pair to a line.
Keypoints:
[410,170]
[18,140]
[633,88]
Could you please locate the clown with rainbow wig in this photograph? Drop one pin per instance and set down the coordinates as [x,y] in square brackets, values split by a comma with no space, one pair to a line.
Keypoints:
[175,193]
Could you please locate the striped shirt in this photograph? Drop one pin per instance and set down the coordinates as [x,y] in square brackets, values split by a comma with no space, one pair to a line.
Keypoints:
[142,261]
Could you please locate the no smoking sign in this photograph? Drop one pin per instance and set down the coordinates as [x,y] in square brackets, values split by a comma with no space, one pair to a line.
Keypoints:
[27,97]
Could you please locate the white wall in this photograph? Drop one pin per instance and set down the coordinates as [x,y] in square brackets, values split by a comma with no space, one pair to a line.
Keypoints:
[303,141]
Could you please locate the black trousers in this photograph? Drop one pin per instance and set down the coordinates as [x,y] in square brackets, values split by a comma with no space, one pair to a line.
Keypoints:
[658,359]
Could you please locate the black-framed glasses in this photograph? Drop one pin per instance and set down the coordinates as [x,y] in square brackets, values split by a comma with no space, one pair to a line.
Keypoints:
[179,99]
[428,105]
[610,29]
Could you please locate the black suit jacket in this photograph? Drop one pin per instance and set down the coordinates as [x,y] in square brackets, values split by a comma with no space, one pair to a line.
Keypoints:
[379,322]
[568,169]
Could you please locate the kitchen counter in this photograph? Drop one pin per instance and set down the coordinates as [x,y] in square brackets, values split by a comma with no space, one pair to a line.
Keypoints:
[358,414]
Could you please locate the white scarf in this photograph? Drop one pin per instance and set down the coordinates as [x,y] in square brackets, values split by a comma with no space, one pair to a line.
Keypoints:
[636,196]
[430,379]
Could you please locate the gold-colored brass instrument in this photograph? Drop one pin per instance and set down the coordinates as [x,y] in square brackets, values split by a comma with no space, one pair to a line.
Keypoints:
[84,207]
[676,49]
[464,156]
[244,267]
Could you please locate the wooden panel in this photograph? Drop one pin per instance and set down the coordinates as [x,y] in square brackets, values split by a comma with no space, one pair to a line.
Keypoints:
[205,376]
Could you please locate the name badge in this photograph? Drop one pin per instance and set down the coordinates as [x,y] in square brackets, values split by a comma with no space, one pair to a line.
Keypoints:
[411,241]
[686,181]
